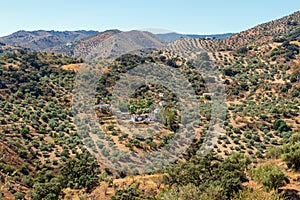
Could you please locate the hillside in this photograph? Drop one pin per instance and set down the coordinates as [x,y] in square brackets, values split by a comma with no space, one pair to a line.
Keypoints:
[109,43]
[170,37]
[258,35]
[43,40]
[48,151]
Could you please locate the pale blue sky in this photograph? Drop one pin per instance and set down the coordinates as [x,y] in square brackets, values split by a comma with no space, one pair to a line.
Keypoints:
[189,16]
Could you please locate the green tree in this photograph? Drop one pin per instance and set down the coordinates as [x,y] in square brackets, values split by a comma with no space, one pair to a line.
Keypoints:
[204,172]
[167,117]
[292,156]
[281,126]
[24,131]
[131,193]
[47,191]
[270,176]
[80,172]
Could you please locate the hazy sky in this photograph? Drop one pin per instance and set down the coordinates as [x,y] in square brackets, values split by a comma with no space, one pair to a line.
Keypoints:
[189,16]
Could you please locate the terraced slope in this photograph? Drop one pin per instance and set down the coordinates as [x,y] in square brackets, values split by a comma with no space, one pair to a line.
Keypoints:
[109,43]
[260,69]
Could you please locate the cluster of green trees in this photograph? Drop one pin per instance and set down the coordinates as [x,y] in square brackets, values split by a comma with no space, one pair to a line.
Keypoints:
[287,50]
[36,106]
[289,152]
[213,178]
[228,175]
[81,172]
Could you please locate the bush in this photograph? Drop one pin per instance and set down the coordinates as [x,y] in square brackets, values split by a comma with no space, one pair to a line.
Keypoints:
[49,191]
[110,127]
[256,194]
[19,195]
[294,138]
[190,192]
[228,175]
[281,126]
[274,152]
[24,131]
[270,175]
[80,172]
[242,50]
[292,156]
[131,193]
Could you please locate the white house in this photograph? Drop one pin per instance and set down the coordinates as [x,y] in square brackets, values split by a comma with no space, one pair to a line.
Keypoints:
[162,103]
[162,95]
[208,94]
[156,111]
[102,106]
[141,118]
[69,44]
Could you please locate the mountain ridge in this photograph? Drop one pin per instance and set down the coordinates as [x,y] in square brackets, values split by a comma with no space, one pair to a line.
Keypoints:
[109,43]
[42,40]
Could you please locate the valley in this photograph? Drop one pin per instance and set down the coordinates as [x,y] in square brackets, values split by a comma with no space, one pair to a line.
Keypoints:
[50,150]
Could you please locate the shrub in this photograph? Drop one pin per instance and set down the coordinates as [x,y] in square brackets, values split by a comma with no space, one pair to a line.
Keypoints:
[49,190]
[130,193]
[110,127]
[274,152]
[281,126]
[292,156]
[256,194]
[242,50]
[19,195]
[24,131]
[80,172]
[190,192]
[270,176]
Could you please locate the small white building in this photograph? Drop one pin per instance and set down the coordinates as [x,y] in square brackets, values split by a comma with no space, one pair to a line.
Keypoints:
[162,95]
[156,111]
[141,118]
[208,94]
[162,103]
[69,44]
[107,106]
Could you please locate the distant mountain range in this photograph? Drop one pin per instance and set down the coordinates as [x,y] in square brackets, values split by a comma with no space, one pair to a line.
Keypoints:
[42,40]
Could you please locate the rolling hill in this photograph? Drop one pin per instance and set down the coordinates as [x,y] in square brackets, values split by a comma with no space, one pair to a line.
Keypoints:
[43,40]
[109,43]
[44,155]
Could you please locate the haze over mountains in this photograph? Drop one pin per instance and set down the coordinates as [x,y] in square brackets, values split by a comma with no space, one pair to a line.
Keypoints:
[45,40]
